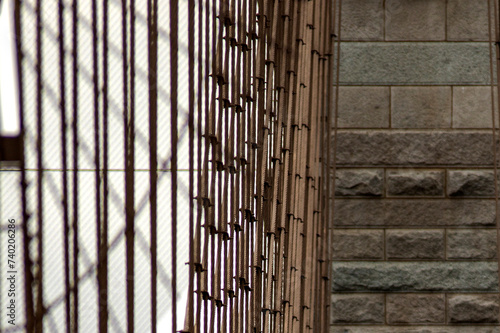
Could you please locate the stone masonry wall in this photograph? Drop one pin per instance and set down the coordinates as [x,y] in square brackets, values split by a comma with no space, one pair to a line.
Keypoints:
[414,242]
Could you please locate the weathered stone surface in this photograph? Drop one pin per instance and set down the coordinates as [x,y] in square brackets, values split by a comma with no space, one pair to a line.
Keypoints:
[468,20]
[358,308]
[363,107]
[473,309]
[371,63]
[415,183]
[424,212]
[471,183]
[415,329]
[421,107]
[471,244]
[415,244]
[414,276]
[359,182]
[384,147]
[415,308]
[358,244]
[472,107]
[362,20]
[415,20]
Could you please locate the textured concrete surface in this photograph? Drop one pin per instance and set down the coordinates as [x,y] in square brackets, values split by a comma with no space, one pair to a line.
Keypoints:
[415,276]
[373,63]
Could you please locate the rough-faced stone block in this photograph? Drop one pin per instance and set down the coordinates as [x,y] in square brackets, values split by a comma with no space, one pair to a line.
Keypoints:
[467,20]
[415,244]
[421,107]
[359,182]
[415,329]
[415,308]
[363,107]
[473,309]
[471,183]
[358,309]
[414,276]
[419,212]
[404,148]
[358,244]
[415,183]
[363,20]
[471,244]
[472,107]
[415,20]
[371,63]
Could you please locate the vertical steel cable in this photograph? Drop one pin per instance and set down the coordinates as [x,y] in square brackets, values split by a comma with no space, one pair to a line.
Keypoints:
[103,245]
[28,265]
[153,147]
[39,267]
[197,266]
[202,185]
[75,168]
[191,86]
[95,58]
[174,18]
[130,168]
[64,153]
[126,123]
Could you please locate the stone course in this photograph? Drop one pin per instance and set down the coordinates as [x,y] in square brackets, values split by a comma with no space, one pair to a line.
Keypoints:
[471,183]
[415,20]
[415,244]
[414,148]
[357,308]
[378,63]
[467,20]
[474,276]
[415,183]
[472,107]
[358,244]
[421,107]
[413,213]
[471,244]
[359,182]
[415,308]
[363,107]
[473,309]
[363,20]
